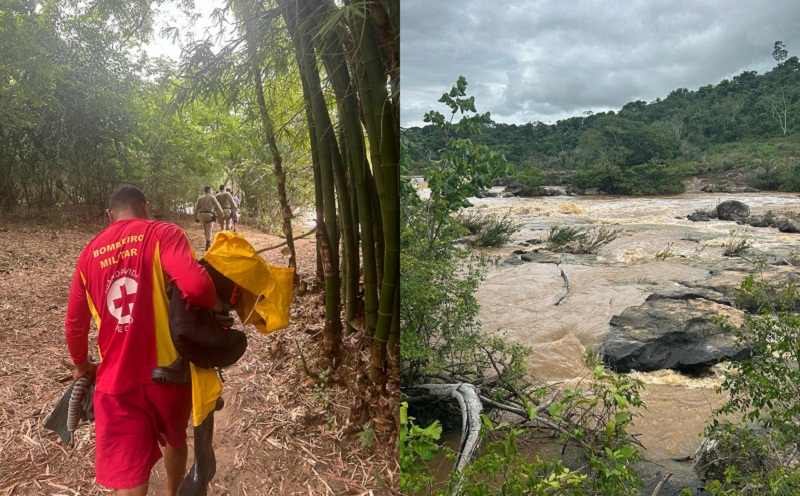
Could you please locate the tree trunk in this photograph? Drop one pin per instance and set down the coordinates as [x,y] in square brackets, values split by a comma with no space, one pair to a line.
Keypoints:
[385,125]
[331,49]
[316,111]
[269,133]
[471,407]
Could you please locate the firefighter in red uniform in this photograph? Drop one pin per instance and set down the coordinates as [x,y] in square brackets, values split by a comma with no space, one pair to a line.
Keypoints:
[120,280]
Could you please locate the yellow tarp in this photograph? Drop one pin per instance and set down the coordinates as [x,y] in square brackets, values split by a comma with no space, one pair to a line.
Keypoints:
[237,260]
[206,388]
[267,293]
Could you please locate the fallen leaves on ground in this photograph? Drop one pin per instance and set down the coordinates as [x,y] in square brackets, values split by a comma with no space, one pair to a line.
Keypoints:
[281,432]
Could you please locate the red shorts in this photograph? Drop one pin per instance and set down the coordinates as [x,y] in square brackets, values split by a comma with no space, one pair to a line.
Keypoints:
[131,425]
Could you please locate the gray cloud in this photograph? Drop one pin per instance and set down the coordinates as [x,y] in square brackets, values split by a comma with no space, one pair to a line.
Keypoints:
[545,60]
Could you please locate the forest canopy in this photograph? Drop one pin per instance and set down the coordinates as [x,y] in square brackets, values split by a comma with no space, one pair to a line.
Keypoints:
[749,123]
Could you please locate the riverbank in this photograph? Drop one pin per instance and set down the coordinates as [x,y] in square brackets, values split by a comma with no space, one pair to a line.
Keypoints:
[657,249]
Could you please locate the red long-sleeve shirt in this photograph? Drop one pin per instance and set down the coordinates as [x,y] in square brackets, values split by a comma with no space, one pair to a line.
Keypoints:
[120,279]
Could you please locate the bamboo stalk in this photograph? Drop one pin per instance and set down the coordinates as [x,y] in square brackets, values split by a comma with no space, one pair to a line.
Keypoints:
[312,91]
[383,113]
[331,48]
[269,134]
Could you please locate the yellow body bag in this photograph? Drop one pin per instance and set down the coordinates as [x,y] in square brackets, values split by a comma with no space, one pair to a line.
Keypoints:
[265,300]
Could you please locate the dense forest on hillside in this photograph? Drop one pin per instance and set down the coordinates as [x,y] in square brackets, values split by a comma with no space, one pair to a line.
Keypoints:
[749,124]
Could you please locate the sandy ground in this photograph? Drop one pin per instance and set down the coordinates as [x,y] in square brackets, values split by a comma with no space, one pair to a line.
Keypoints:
[281,431]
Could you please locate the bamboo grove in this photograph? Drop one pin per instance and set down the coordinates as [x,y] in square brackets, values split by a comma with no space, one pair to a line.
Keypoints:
[356,164]
[346,61]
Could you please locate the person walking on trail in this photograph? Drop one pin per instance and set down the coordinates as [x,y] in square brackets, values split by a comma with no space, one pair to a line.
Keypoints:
[235,214]
[120,280]
[225,199]
[206,210]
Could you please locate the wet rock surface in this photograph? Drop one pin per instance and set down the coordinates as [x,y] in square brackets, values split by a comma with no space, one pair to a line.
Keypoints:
[541,257]
[701,216]
[733,210]
[789,226]
[673,330]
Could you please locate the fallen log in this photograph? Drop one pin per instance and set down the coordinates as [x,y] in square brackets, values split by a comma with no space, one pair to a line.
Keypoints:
[471,408]
[566,286]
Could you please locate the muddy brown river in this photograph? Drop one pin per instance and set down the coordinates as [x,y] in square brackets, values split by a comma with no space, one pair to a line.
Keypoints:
[519,301]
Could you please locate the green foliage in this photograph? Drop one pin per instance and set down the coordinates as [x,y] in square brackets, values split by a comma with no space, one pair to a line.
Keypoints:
[527,181]
[595,419]
[464,168]
[593,240]
[84,113]
[620,156]
[474,221]
[441,337]
[644,148]
[502,470]
[779,482]
[417,447]
[738,243]
[765,388]
[439,326]
[366,435]
[763,391]
[489,230]
[85,110]
[656,177]
[560,236]
[497,231]
[578,240]
[749,463]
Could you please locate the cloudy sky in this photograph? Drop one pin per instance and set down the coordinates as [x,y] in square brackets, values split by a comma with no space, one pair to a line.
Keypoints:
[544,60]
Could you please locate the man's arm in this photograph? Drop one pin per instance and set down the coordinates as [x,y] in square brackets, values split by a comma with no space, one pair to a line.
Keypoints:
[218,208]
[178,262]
[76,327]
[196,209]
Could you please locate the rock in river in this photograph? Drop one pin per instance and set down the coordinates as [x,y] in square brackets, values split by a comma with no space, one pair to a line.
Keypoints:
[672,331]
[788,226]
[541,257]
[733,210]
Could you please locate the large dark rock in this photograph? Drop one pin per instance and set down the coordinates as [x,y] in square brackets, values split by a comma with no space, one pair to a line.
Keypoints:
[733,210]
[788,226]
[522,190]
[675,331]
[700,216]
[512,260]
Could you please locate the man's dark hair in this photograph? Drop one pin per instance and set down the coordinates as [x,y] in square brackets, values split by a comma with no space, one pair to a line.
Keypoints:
[126,196]
[222,187]
[207,189]
[228,190]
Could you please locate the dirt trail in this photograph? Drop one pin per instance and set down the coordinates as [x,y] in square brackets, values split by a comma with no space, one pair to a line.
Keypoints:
[279,432]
